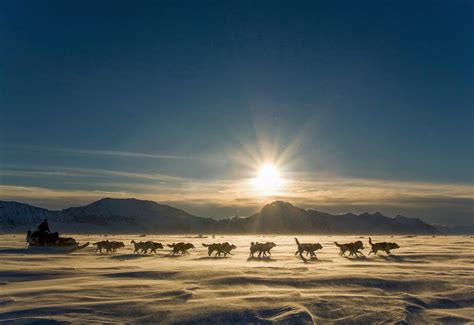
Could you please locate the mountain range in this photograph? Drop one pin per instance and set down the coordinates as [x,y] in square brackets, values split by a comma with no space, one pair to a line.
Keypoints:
[111,215]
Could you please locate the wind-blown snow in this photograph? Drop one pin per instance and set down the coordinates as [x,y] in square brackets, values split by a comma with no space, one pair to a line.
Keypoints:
[429,279]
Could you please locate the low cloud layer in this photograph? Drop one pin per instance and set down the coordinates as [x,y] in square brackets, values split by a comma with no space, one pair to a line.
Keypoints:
[434,202]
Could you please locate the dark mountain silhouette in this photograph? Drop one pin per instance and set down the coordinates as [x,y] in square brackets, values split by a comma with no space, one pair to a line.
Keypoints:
[283,217]
[148,214]
[132,215]
[273,218]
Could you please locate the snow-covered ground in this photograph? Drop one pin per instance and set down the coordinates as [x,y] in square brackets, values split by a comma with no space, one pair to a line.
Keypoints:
[428,280]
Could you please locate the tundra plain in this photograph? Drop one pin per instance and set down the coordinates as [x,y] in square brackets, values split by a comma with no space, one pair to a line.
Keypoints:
[428,280]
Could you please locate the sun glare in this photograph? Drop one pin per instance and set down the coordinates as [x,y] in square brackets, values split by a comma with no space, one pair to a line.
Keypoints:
[268,180]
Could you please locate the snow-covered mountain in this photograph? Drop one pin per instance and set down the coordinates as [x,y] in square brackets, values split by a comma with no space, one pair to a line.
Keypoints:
[14,214]
[110,215]
[106,215]
[19,217]
[456,230]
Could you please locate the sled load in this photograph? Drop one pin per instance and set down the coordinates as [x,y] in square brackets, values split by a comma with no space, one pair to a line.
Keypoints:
[43,239]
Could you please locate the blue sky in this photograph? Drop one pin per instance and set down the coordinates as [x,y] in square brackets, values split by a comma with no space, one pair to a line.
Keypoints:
[181,102]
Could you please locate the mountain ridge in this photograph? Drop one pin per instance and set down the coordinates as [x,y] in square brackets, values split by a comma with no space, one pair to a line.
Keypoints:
[112,215]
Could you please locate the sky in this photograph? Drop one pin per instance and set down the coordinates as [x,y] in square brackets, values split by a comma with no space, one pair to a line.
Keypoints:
[360,107]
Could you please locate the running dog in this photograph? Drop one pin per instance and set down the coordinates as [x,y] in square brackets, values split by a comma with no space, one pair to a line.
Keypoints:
[309,248]
[109,246]
[180,248]
[114,245]
[101,245]
[353,248]
[152,246]
[219,248]
[383,246]
[138,246]
[261,248]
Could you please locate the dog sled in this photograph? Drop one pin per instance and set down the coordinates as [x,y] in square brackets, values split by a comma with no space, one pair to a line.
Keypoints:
[52,243]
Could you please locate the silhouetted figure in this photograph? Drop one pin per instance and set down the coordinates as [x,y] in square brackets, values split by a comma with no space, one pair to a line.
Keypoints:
[43,232]
[44,227]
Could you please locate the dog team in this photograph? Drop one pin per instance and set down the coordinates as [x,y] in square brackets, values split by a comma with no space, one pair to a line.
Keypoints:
[263,249]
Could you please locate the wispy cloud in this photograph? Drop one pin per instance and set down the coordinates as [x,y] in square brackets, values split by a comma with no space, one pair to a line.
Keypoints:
[128,154]
[74,172]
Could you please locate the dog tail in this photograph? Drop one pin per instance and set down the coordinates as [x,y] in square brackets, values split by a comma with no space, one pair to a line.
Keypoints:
[95,243]
[337,244]
[370,241]
[171,245]
[205,245]
[297,242]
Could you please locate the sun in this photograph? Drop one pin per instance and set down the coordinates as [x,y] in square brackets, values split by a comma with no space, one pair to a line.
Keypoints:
[268,180]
